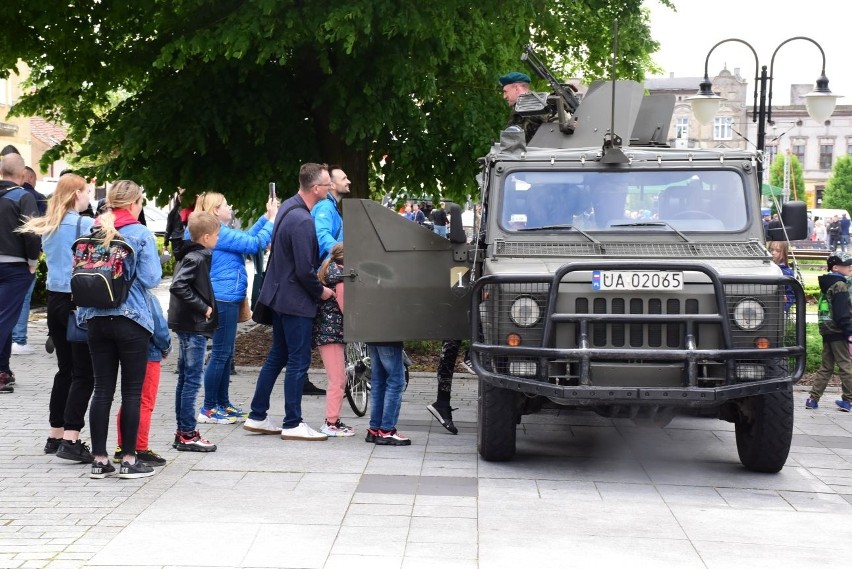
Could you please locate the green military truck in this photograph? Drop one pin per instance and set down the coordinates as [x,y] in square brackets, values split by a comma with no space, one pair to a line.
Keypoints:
[610,273]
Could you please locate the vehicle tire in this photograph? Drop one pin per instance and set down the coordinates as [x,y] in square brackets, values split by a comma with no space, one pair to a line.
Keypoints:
[498,419]
[764,431]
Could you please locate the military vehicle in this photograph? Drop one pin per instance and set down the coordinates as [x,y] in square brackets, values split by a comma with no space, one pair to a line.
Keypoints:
[610,273]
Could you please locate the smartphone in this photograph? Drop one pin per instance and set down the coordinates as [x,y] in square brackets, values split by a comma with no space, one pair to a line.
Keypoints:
[272,191]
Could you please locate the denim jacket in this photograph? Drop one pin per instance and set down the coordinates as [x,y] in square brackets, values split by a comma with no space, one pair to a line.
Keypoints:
[57,245]
[161,342]
[148,273]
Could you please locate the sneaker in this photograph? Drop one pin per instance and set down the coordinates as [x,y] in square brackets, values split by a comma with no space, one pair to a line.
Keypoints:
[22,349]
[466,363]
[444,415]
[150,458]
[116,458]
[392,438]
[136,470]
[372,435]
[311,389]
[193,442]
[77,451]
[264,427]
[845,406]
[102,470]
[235,412]
[302,433]
[48,345]
[215,416]
[812,403]
[11,380]
[52,445]
[6,383]
[337,429]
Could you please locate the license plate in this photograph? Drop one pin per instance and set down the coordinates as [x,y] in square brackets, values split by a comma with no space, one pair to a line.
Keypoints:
[637,280]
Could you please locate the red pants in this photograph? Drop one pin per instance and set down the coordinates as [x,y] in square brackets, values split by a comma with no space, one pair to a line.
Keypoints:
[146,407]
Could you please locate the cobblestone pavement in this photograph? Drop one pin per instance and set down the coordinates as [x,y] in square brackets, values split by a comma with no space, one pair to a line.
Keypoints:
[583,490]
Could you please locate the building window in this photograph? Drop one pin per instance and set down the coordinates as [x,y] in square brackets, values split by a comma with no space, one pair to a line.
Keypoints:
[826,154]
[798,150]
[771,153]
[849,147]
[722,128]
[682,128]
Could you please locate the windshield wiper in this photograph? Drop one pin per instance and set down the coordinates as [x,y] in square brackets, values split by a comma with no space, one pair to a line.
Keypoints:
[562,226]
[653,224]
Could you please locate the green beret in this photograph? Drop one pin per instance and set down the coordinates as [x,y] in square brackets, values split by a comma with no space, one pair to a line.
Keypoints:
[514,77]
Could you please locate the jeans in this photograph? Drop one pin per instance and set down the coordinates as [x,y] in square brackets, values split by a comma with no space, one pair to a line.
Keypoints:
[15,279]
[217,376]
[440,230]
[291,348]
[74,380]
[19,332]
[193,347]
[116,341]
[386,385]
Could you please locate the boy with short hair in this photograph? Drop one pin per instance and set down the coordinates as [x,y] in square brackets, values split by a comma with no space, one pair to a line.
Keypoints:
[836,330]
[193,316]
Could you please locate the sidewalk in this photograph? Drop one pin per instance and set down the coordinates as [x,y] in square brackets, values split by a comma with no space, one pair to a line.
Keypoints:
[583,491]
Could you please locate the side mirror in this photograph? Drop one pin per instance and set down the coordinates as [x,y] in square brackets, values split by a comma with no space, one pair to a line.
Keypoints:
[794,218]
[457,234]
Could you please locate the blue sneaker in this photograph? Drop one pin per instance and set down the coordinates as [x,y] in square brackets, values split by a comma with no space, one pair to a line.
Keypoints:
[811,403]
[235,412]
[845,406]
[215,416]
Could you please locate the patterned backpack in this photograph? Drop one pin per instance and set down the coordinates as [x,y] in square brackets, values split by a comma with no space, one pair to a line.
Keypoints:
[101,274]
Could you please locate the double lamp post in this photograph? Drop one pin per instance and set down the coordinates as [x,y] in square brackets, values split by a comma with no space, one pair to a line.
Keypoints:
[819,103]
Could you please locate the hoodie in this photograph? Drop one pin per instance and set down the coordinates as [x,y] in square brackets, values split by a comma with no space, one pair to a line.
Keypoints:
[836,291]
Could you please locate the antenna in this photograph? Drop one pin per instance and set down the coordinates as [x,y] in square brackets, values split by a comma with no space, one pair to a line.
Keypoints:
[612,153]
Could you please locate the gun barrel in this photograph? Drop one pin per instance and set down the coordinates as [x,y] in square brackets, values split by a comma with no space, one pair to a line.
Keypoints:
[542,71]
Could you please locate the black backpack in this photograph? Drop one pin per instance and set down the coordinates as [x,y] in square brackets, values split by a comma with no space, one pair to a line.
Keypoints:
[100,273]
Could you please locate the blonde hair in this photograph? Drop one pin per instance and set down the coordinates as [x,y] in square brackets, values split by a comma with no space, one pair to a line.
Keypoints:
[336,256]
[201,223]
[208,201]
[782,247]
[121,195]
[64,198]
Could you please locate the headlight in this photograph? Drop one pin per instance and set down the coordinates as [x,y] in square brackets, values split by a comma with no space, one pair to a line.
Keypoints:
[525,312]
[749,314]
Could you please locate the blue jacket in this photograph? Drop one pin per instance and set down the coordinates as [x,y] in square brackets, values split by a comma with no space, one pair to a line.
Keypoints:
[329,225]
[148,273]
[228,271]
[161,341]
[57,245]
[291,285]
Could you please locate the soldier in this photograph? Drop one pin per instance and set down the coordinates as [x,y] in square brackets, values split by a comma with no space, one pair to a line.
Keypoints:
[514,85]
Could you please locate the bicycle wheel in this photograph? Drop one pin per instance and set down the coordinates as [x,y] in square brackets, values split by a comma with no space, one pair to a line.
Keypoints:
[357,377]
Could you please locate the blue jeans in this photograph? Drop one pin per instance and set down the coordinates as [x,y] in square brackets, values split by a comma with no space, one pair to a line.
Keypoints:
[193,348]
[386,385]
[440,230]
[15,279]
[19,332]
[291,348]
[217,376]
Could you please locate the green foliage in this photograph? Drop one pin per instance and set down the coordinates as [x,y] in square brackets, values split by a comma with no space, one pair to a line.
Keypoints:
[227,95]
[797,180]
[813,347]
[838,189]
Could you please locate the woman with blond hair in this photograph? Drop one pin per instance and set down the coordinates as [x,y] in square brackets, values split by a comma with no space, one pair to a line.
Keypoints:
[72,387]
[119,337]
[230,284]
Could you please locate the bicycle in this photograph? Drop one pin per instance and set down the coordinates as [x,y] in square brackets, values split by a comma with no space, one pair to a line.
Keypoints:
[359,374]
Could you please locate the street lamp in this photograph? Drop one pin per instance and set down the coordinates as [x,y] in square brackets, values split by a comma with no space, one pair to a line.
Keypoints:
[820,102]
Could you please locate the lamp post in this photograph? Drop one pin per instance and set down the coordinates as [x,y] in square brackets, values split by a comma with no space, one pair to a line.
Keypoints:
[819,103]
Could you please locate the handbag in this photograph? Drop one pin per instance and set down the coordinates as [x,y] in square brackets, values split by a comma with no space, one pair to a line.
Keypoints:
[245,311]
[262,314]
[74,332]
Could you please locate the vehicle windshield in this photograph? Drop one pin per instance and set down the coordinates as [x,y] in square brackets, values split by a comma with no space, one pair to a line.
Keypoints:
[687,201]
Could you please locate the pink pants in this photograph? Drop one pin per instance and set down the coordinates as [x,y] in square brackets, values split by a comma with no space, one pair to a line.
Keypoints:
[146,407]
[334,361]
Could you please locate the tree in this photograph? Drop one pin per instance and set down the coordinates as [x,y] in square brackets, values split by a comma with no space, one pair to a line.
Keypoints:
[229,94]
[797,178]
[838,189]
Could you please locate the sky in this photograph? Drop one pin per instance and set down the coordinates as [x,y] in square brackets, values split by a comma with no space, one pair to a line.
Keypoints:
[687,36]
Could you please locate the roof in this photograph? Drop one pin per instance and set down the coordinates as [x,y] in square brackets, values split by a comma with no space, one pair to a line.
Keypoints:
[46,132]
[673,83]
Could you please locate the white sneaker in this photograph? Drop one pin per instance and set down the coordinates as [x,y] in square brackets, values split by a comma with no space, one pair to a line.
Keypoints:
[337,429]
[21,349]
[302,433]
[265,427]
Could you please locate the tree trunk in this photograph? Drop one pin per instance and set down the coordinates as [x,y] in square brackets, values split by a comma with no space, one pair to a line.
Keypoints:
[354,161]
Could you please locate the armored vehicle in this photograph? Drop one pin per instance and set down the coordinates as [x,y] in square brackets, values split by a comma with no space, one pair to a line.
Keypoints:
[610,273]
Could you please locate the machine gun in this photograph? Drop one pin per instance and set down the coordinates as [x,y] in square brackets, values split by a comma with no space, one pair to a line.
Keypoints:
[561,103]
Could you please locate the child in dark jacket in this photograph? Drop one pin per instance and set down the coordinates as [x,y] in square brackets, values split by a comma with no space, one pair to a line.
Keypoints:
[836,331]
[193,315]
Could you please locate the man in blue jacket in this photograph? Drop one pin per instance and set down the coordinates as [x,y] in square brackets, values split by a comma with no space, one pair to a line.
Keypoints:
[326,214]
[292,290]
